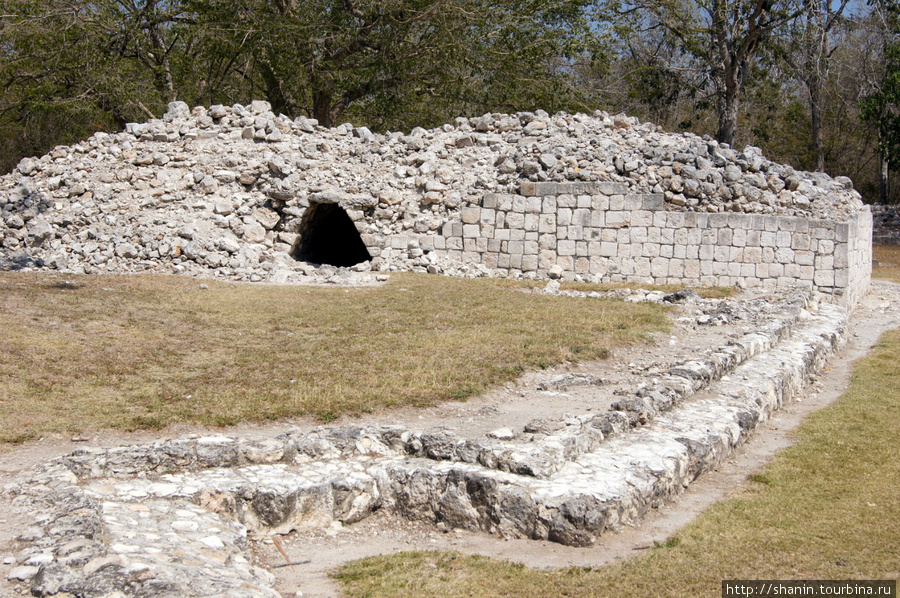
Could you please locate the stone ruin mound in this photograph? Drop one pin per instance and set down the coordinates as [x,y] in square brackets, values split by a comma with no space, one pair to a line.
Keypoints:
[240,193]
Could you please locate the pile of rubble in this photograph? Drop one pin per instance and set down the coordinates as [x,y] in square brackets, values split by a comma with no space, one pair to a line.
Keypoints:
[221,191]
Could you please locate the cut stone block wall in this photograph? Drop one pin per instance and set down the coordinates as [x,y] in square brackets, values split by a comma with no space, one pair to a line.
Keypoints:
[599,230]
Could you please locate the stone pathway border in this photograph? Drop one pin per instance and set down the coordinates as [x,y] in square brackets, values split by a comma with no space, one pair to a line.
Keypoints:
[171,518]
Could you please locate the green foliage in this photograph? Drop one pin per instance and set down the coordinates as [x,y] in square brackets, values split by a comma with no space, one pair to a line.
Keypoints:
[398,63]
[882,106]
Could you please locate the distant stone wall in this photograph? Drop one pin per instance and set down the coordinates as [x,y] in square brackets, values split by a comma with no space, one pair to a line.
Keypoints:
[600,232]
[886,229]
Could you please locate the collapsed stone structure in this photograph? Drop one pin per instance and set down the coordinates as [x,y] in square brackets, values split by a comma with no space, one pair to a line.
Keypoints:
[240,193]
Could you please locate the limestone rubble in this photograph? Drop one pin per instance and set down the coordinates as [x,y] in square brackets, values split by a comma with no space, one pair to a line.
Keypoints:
[221,191]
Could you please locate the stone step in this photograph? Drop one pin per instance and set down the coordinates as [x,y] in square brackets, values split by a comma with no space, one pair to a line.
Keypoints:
[593,489]
[620,480]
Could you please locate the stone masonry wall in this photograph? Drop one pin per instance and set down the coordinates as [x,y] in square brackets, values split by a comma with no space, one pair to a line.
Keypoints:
[599,230]
[238,192]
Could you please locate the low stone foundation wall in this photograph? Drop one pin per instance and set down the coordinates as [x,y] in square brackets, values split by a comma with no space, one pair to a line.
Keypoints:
[886,225]
[599,231]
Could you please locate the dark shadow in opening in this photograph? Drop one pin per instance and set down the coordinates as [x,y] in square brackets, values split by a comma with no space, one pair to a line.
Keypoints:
[328,236]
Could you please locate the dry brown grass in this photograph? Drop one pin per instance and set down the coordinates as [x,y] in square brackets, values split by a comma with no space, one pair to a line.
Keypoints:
[88,352]
[888,258]
[587,287]
[825,508]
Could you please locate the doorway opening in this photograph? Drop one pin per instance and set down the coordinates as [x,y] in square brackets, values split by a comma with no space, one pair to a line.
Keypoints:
[328,236]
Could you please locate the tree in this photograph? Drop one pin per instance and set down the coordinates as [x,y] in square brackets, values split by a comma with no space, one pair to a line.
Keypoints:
[882,105]
[723,37]
[809,48]
[71,67]
[385,60]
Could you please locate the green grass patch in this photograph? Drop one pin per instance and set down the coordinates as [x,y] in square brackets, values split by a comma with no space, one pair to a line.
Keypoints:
[87,352]
[825,508]
[888,259]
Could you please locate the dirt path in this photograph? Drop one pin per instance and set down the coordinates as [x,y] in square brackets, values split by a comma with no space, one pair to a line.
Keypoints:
[512,407]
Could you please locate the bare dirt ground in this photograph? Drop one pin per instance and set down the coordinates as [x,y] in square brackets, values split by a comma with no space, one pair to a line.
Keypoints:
[509,407]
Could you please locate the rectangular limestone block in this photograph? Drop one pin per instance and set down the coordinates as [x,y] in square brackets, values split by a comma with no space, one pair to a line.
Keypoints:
[546,258]
[491,200]
[633,202]
[804,258]
[581,217]
[600,202]
[542,189]
[824,278]
[452,229]
[547,223]
[575,232]
[527,188]
[787,224]
[515,221]
[617,218]
[566,247]
[642,218]
[784,255]
[801,241]
[842,232]
[608,188]
[533,205]
[718,220]
[653,202]
[547,241]
[581,248]
[529,263]
[659,267]
[566,201]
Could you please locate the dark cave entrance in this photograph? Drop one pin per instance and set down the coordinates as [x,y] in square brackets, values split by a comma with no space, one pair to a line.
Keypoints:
[328,236]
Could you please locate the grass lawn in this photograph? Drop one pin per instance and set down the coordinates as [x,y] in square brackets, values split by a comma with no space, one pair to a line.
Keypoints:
[888,258]
[826,508]
[91,352]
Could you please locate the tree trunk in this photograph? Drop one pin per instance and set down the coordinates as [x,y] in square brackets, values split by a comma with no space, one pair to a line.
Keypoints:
[322,108]
[163,61]
[815,112]
[729,104]
[885,178]
[281,102]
